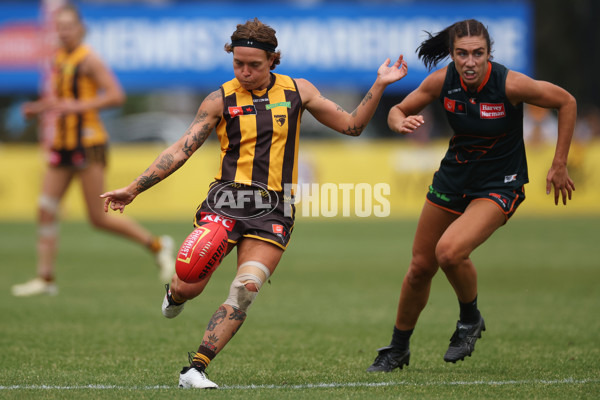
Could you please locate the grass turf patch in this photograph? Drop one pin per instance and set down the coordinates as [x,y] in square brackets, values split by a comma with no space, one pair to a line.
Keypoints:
[315,329]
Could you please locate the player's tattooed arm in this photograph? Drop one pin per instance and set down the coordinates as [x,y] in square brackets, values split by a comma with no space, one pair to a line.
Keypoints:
[166,162]
[171,159]
[367,98]
[204,122]
[337,106]
[146,181]
[353,130]
[356,130]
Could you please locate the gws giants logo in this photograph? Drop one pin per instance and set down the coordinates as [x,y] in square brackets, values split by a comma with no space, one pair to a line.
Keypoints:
[455,106]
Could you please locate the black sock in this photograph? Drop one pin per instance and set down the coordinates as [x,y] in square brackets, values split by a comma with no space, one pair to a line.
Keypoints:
[401,339]
[469,313]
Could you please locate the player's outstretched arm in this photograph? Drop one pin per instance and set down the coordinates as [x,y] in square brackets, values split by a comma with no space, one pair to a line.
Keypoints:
[172,158]
[523,89]
[335,117]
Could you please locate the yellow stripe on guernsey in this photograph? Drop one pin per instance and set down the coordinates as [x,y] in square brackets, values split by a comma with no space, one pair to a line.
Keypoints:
[280,130]
[243,173]
[259,133]
[76,130]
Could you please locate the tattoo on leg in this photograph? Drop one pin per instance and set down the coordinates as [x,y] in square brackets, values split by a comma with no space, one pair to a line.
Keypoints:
[211,342]
[217,318]
[237,315]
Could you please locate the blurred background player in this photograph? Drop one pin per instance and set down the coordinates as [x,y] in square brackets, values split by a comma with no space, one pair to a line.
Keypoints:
[479,184]
[83,84]
[257,119]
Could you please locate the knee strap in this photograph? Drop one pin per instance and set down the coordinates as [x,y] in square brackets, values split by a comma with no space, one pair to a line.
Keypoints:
[48,204]
[240,297]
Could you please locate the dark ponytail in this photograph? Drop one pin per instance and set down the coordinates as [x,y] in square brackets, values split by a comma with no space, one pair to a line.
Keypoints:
[439,46]
[435,48]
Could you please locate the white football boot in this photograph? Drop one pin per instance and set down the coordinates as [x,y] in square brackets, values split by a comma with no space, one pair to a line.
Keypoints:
[35,287]
[193,378]
[170,309]
[165,258]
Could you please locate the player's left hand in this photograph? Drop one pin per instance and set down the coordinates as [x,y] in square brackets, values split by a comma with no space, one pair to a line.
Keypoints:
[558,178]
[397,71]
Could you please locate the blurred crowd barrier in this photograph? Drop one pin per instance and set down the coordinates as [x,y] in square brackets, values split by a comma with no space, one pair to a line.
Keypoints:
[348,179]
[180,44]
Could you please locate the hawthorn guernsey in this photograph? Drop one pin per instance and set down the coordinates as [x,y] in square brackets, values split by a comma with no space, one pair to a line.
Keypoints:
[201,252]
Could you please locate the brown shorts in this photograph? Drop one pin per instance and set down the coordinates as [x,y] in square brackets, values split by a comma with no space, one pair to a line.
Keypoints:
[78,158]
[248,211]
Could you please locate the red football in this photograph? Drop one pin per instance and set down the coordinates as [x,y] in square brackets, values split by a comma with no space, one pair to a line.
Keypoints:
[201,252]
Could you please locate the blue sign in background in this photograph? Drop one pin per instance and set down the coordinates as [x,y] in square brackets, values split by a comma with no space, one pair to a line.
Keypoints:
[334,45]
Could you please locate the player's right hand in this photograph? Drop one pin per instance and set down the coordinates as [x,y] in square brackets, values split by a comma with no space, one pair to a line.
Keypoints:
[117,199]
[410,123]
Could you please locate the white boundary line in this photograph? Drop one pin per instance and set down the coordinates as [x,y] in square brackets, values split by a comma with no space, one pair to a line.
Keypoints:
[315,385]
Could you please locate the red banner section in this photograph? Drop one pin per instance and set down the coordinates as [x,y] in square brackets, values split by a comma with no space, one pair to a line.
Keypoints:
[21,45]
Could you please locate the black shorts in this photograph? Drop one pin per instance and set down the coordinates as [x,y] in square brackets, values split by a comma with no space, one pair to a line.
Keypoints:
[248,211]
[507,200]
[78,158]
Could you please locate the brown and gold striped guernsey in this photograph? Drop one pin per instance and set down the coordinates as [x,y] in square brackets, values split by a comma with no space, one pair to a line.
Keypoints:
[76,130]
[259,133]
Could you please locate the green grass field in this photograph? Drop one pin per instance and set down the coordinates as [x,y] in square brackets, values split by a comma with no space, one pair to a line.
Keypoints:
[315,329]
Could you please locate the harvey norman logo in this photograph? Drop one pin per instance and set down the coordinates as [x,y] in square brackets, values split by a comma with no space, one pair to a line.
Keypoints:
[491,111]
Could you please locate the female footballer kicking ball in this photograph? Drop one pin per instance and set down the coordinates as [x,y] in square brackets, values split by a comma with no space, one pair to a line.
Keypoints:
[257,119]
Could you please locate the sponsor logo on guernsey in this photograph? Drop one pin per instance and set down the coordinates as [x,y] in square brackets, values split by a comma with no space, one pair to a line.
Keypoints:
[228,223]
[510,178]
[491,110]
[242,110]
[455,106]
[287,104]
